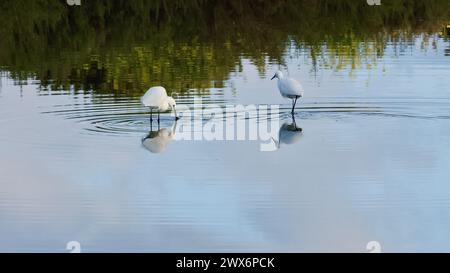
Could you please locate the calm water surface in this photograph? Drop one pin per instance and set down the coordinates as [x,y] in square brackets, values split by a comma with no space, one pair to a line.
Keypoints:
[370,164]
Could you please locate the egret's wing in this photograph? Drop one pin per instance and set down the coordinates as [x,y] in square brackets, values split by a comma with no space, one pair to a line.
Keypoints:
[292,87]
[154,97]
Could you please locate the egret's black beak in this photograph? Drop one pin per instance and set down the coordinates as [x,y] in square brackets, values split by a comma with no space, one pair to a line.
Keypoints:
[175,110]
[274,76]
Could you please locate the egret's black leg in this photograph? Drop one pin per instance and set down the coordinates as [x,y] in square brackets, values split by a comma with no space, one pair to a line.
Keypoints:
[151,120]
[158,122]
[294,103]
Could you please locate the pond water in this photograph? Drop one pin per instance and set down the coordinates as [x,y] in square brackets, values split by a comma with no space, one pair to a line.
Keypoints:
[370,162]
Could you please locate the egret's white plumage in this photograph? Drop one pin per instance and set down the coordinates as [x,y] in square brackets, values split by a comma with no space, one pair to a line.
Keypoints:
[156,99]
[289,88]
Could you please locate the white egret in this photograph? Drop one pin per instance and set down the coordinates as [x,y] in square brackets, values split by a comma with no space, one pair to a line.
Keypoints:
[156,99]
[289,88]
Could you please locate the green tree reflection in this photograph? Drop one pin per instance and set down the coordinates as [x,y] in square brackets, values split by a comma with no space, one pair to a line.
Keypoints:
[126,46]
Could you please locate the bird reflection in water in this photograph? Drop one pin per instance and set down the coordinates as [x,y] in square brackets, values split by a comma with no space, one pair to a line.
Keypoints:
[288,134]
[157,141]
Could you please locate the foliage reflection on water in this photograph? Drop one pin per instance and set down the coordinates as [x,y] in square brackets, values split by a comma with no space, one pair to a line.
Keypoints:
[123,47]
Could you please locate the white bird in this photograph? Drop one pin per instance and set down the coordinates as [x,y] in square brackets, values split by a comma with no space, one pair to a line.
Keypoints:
[289,88]
[156,99]
[157,141]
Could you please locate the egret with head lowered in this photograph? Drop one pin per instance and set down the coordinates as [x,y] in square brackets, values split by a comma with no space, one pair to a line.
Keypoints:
[289,88]
[157,100]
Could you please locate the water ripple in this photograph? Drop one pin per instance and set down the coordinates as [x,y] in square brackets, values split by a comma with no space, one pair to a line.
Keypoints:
[121,117]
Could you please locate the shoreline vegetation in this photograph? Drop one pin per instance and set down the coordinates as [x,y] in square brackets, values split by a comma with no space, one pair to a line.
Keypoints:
[123,47]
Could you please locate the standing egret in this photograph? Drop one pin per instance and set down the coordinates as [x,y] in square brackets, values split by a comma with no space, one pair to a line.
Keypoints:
[289,88]
[156,99]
